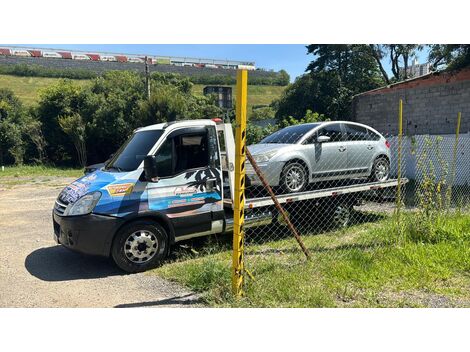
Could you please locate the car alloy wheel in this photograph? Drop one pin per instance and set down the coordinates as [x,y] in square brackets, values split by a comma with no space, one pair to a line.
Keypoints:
[295,177]
[381,170]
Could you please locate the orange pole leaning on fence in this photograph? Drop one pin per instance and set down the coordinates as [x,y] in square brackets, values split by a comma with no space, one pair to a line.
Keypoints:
[277,204]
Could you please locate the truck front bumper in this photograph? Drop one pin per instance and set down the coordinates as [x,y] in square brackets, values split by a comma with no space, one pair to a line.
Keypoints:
[89,234]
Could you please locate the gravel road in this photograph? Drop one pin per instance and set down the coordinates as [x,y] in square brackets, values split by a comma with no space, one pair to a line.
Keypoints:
[35,272]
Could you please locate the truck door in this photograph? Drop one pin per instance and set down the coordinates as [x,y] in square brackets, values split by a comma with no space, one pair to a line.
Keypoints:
[189,186]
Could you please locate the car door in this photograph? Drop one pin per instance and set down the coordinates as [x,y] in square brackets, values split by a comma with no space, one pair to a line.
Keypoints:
[360,149]
[328,159]
[188,189]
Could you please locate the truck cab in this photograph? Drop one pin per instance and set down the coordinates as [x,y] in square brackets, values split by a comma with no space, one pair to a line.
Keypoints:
[162,186]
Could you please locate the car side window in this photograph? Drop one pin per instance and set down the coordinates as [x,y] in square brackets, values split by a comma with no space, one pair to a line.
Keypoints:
[333,131]
[356,133]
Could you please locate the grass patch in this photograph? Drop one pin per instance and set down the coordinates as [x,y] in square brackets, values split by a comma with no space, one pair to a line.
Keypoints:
[39,170]
[27,88]
[361,266]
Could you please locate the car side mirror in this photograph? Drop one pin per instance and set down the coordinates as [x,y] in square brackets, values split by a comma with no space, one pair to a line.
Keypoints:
[323,139]
[150,168]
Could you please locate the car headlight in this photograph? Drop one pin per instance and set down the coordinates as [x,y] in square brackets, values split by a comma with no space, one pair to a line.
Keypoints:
[262,158]
[84,205]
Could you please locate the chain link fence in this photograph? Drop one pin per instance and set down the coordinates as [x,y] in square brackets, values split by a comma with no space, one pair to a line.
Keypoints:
[339,188]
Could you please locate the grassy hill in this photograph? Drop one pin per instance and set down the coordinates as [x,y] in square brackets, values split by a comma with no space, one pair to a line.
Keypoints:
[27,89]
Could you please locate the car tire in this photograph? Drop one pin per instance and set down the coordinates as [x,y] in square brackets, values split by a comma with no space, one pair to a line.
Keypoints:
[380,170]
[140,246]
[294,177]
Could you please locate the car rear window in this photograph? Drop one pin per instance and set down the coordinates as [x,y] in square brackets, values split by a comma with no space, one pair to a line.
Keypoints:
[289,135]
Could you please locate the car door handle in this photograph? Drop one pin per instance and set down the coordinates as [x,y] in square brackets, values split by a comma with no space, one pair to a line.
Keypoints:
[342,149]
[370,147]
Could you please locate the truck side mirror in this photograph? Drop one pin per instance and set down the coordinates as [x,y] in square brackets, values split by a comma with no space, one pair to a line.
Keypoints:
[150,168]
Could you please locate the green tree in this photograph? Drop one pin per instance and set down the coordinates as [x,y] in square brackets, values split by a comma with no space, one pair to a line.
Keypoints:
[13,126]
[74,126]
[336,74]
[450,56]
[63,98]
[399,56]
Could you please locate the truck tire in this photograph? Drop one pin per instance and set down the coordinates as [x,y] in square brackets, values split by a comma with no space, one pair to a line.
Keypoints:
[140,246]
[341,215]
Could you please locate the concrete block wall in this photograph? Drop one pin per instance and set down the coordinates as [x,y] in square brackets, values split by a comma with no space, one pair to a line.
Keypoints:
[430,105]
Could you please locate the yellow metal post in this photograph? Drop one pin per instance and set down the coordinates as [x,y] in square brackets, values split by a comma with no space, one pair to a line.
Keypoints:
[400,137]
[239,191]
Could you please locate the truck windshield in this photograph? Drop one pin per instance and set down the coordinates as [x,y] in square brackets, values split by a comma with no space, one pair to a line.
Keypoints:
[289,135]
[134,150]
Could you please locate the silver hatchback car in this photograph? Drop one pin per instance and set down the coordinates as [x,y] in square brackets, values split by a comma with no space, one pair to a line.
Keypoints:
[298,155]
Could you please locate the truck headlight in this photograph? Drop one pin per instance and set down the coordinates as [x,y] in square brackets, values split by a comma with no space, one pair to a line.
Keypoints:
[265,157]
[84,205]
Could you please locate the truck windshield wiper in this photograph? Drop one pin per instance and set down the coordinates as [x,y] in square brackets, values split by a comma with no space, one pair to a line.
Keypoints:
[118,169]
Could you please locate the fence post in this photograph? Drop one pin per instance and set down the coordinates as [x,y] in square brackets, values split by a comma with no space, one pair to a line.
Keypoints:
[454,160]
[400,140]
[239,191]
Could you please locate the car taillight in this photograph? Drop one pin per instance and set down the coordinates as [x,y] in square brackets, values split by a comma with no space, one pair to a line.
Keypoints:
[387,144]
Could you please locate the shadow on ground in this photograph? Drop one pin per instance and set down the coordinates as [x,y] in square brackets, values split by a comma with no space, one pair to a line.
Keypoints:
[186,300]
[59,264]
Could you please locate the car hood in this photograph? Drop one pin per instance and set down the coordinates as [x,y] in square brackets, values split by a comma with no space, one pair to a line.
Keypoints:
[262,148]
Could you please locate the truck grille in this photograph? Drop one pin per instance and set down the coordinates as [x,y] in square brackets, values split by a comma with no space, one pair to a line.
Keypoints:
[59,207]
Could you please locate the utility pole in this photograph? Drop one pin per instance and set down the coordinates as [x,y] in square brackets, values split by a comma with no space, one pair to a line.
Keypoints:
[147,77]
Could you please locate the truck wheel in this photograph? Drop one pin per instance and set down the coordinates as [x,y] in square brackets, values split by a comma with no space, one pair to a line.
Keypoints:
[294,177]
[380,170]
[140,246]
[340,215]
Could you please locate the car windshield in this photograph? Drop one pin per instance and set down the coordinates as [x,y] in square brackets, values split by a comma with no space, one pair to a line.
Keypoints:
[289,135]
[134,150]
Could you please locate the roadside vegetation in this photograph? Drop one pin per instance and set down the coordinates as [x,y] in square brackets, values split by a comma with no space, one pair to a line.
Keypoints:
[366,265]
[39,170]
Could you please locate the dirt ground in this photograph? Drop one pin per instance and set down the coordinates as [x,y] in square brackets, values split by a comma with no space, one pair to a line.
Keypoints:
[35,272]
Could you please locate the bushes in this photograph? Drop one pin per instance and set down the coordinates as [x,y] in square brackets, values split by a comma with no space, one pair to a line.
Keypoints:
[219,77]
[17,130]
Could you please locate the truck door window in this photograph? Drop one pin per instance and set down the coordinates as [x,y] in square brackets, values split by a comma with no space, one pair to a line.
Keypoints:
[182,152]
[164,158]
[192,152]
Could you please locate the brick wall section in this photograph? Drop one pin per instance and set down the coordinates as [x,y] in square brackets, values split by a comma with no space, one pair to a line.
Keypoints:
[430,105]
[101,67]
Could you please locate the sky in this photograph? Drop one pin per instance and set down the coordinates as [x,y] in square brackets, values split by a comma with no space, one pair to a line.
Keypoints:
[291,57]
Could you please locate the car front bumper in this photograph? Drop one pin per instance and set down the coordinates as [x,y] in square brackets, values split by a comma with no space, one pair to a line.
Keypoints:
[270,170]
[89,234]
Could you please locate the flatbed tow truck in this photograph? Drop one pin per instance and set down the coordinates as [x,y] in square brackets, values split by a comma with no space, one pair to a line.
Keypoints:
[170,182]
